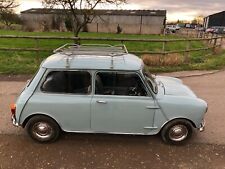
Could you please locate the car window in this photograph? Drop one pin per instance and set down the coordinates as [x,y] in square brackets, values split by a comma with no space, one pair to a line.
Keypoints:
[75,82]
[112,83]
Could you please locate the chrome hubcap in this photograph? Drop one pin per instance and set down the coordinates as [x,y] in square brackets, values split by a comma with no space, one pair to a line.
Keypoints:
[42,130]
[178,133]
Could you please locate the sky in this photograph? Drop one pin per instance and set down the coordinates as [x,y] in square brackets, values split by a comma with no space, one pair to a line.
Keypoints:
[176,9]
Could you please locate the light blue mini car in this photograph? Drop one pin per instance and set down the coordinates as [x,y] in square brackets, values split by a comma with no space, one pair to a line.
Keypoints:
[104,89]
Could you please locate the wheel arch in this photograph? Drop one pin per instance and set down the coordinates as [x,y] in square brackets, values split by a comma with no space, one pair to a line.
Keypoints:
[191,122]
[39,114]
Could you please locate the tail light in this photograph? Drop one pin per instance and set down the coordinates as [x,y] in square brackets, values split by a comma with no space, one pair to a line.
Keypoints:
[13,109]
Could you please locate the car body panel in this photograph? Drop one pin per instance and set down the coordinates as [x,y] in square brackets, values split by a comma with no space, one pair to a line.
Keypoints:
[174,86]
[86,62]
[70,111]
[122,114]
[28,92]
[110,114]
[178,101]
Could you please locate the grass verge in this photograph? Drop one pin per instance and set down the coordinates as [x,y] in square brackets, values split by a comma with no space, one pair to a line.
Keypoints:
[211,62]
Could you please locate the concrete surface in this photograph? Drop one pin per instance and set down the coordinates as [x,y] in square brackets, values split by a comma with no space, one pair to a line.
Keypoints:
[209,87]
[89,151]
[98,151]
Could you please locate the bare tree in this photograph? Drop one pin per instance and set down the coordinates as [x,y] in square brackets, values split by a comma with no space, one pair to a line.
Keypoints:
[7,5]
[81,12]
[7,15]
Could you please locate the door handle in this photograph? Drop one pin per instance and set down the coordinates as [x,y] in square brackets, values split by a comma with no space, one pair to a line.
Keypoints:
[152,107]
[101,102]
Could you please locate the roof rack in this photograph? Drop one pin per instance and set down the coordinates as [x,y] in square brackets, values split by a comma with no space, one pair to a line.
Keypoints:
[92,49]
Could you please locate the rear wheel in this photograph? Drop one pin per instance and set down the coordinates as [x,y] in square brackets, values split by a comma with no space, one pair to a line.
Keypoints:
[43,129]
[177,131]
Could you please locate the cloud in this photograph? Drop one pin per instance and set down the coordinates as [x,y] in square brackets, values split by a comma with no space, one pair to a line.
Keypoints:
[27,4]
[182,9]
[200,6]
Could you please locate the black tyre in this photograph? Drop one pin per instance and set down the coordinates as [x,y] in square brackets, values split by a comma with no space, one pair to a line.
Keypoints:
[43,129]
[177,132]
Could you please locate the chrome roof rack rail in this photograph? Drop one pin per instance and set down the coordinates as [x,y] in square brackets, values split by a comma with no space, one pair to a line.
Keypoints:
[92,49]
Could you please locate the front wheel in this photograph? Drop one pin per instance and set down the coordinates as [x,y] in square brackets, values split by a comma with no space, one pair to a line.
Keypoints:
[43,129]
[177,132]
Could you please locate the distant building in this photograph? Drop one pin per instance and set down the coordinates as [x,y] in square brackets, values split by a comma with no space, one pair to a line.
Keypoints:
[107,21]
[217,19]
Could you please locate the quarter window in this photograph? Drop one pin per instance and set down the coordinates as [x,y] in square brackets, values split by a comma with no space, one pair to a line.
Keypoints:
[75,82]
[129,84]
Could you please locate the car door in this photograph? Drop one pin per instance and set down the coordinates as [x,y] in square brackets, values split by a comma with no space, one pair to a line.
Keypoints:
[121,104]
[66,97]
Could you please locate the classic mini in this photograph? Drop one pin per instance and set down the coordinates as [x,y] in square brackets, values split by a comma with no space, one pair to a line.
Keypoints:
[104,89]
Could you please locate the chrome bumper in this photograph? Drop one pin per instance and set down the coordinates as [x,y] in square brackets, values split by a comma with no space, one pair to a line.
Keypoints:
[13,118]
[202,126]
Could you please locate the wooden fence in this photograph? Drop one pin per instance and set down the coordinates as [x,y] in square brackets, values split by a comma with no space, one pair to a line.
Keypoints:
[193,33]
[211,43]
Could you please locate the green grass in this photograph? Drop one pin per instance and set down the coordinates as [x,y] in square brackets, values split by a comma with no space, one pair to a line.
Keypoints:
[19,63]
[28,62]
[52,44]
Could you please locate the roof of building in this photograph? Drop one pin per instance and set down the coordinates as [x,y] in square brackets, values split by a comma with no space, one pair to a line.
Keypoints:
[93,57]
[99,12]
[222,12]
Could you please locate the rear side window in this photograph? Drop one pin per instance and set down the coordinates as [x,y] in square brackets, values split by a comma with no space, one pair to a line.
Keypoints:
[74,82]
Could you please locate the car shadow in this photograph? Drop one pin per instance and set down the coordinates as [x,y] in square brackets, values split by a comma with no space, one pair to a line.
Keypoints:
[109,138]
[118,139]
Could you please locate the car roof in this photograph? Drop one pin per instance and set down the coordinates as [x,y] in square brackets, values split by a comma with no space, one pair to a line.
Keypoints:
[93,56]
[126,61]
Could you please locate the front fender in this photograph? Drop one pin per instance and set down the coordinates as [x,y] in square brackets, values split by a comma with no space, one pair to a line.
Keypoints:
[172,107]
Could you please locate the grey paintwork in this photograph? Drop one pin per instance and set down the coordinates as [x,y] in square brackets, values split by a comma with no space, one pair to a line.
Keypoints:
[110,114]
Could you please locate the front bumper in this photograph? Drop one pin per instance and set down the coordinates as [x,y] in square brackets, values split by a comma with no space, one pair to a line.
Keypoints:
[202,126]
[13,118]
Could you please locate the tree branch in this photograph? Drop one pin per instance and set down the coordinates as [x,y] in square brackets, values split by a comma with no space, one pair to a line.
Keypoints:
[85,8]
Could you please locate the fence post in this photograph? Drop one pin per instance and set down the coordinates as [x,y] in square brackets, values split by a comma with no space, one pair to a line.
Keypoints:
[76,40]
[199,34]
[214,45]
[207,41]
[37,48]
[221,41]
[187,33]
[163,52]
[212,36]
[187,53]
